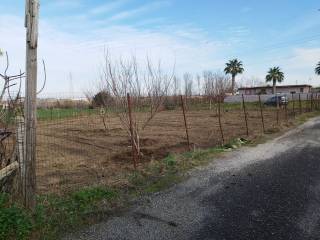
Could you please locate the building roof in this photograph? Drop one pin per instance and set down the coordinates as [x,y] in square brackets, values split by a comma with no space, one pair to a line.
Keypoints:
[283,86]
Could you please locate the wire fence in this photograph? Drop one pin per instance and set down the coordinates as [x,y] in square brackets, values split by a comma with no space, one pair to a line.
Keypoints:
[78,145]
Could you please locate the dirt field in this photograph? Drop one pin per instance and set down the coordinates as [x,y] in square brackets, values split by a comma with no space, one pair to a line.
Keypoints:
[77,152]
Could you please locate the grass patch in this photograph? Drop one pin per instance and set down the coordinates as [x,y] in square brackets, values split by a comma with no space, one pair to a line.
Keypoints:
[160,175]
[61,113]
[306,116]
[170,161]
[56,214]
[53,214]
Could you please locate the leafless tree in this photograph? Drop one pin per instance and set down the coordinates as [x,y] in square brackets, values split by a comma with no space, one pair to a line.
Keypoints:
[176,86]
[188,84]
[199,84]
[147,85]
[89,96]
[216,83]
[12,124]
[252,82]
[10,106]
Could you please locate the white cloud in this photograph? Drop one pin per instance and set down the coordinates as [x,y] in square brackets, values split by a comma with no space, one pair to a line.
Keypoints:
[301,66]
[82,54]
[75,44]
[305,57]
[298,66]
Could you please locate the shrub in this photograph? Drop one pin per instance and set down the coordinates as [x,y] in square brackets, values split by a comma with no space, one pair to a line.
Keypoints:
[102,99]
[15,223]
[170,161]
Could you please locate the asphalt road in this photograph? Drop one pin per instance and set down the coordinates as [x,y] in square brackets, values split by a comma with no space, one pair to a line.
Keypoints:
[271,191]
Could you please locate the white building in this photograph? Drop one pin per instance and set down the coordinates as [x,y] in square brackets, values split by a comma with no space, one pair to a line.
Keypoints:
[285,89]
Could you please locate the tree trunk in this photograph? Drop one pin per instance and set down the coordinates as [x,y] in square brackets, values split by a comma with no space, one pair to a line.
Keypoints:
[274,90]
[233,83]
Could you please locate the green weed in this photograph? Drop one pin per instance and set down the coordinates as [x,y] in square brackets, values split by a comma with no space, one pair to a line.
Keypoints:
[15,222]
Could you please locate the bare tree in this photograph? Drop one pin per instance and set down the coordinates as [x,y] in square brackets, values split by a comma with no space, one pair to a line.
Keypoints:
[176,86]
[199,84]
[188,84]
[216,84]
[146,85]
[89,96]
[10,106]
[252,82]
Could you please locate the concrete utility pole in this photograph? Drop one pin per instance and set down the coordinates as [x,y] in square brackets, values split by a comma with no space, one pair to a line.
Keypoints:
[30,108]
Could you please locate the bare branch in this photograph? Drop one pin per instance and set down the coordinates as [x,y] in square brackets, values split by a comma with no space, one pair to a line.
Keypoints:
[45,77]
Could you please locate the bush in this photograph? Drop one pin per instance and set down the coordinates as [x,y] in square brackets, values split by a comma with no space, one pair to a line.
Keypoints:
[102,99]
[15,223]
[170,161]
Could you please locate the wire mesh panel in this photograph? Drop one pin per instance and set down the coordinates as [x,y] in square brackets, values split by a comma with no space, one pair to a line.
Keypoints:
[79,144]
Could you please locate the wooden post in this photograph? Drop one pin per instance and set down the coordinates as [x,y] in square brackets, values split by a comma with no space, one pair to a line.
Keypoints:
[185,121]
[261,113]
[277,99]
[286,112]
[245,114]
[309,103]
[134,151]
[51,113]
[293,110]
[30,108]
[300,107]
[220,123]
[20,134]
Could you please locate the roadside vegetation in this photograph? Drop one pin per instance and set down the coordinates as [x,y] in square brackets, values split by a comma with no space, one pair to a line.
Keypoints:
[57,214]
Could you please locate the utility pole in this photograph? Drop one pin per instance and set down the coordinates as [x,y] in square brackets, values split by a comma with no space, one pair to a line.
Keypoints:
[30,107]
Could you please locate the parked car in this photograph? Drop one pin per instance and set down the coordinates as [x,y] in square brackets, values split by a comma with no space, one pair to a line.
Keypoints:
[282,99]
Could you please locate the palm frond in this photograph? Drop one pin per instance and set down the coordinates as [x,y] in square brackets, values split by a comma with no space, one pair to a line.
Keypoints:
[317,69]
[234,67]
[275,75]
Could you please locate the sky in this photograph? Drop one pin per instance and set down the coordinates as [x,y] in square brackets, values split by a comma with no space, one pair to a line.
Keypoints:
[193,36]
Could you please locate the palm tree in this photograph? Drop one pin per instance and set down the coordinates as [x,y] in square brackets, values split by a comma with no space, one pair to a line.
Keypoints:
[275,75]
[234,67]
[317,70]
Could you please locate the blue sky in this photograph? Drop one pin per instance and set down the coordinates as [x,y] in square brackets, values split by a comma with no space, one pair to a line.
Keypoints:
[194,35]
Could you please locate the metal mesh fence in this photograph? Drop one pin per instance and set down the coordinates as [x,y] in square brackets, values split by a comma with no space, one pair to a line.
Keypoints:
[78,145]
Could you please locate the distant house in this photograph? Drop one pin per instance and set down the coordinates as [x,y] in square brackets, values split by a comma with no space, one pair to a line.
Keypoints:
[285,89]
[316,90]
